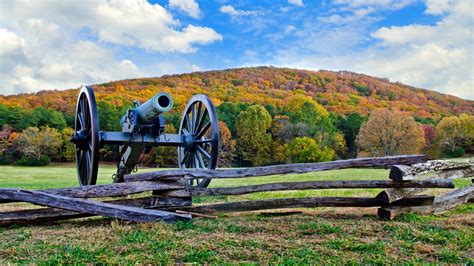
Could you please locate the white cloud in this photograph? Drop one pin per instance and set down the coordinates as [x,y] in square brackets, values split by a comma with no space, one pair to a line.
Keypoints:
[62,44]
[132,22]
[296,2]
[230,10]
[82,63]
[191,7]
[438,57]
[437,7]
[382,4]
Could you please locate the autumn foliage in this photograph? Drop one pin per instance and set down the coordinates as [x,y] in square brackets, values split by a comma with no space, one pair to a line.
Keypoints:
[267,115]
[390,133]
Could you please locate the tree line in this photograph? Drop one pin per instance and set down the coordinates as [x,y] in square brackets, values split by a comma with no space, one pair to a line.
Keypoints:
[300,131]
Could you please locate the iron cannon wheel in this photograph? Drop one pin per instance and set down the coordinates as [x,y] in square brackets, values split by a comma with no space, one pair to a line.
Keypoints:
[86,137]
[200,128]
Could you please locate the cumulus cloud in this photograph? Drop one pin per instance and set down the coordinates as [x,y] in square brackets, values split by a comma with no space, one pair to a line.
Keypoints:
[230,10]
[190,7]
[438,57]
[296,2]
[62,44]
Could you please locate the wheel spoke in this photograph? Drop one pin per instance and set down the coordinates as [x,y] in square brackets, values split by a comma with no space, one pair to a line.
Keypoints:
[185,131]
[80,160]
[203,141]
[188,123]
[88,165]
[196,161]
[80,117]
[200,160]
[203,152]
[198,116]
[188,162]
[87,117]
[193,113]
[184,158]
[201,121]
[203,130]
[81,103]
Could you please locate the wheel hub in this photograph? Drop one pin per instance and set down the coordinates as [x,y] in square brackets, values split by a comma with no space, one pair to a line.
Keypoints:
[189,140]
[80,139]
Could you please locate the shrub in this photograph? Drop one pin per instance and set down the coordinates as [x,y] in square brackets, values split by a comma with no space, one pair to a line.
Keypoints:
[4,160]
[27,161]
[458,152]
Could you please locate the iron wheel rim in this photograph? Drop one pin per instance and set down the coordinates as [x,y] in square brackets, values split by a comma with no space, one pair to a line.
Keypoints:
[199,123]
[86,125]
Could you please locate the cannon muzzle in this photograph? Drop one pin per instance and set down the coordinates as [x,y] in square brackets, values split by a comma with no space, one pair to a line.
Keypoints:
[151,109]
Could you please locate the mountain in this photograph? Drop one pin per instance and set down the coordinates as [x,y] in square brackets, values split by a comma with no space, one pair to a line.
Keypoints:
[341,92]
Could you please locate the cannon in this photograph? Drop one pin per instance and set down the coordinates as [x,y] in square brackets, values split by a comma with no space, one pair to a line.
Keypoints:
[197,140]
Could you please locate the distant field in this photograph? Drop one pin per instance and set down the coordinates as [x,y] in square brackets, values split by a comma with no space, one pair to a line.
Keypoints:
[316,235]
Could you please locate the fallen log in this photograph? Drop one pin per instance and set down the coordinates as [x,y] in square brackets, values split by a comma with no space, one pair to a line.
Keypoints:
[115,189]
[404,172]
[89,206]
[42,215]
[377,162]
[394,194]
[195,191]
[440,204]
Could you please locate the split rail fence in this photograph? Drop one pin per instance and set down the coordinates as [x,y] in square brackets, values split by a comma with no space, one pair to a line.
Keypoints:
[171,198]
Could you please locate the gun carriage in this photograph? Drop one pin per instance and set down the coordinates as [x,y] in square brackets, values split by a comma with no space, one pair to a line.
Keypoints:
[197,140]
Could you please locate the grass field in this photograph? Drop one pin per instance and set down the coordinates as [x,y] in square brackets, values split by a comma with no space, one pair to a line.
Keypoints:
[315,235]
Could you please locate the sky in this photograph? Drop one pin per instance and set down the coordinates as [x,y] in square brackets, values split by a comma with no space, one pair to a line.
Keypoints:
[61,44]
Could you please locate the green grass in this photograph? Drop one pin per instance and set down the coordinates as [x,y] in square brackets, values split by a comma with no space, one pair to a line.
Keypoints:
[331,235]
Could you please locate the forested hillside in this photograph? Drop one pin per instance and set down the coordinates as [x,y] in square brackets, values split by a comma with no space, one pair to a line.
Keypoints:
[340,92]
[268,115]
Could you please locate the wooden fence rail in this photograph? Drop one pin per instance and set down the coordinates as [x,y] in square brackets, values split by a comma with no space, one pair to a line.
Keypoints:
[172,195]
[377,162]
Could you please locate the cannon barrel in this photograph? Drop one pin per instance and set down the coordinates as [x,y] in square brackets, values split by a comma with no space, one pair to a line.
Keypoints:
[151,109]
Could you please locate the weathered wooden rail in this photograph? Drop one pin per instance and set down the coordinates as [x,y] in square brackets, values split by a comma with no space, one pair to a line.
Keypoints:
[171,198]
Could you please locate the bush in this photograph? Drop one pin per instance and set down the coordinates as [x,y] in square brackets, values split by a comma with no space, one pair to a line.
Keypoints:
[27,161]
[4,160]
[458,152]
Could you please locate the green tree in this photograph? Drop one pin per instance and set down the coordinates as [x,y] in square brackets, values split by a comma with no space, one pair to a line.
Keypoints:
[42,116]
[35,143]
[304,109]
[253,141]
[109,116]
[228,113]
[350,126]
[305,150]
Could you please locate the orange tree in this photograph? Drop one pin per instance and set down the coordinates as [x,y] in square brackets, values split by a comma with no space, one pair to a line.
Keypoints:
[390,132]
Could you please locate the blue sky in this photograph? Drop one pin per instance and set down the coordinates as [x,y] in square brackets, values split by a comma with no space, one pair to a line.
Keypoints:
[55,44]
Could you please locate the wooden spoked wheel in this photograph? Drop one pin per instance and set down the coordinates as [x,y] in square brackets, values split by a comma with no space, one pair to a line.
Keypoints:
[86,137]
[200,130]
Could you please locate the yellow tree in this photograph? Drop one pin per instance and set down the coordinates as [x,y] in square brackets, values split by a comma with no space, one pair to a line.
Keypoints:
[454,132]
[390,132]
[306,150]
[253,141]
[35,143]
